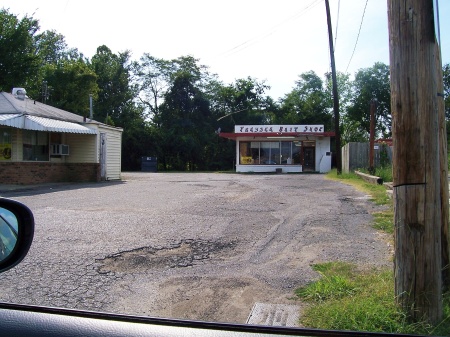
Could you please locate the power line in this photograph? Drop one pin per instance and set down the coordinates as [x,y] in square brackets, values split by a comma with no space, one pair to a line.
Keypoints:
[337,24]
[357,38]
[252,41]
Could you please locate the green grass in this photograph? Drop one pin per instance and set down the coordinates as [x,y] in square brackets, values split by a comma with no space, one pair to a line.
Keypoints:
[384,173]
[347,298]
[377,192]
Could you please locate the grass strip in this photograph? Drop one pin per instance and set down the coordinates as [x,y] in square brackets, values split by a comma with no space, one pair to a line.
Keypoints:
[348,298]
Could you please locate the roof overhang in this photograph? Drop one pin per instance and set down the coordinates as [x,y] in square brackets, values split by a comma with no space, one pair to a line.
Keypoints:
[28,122]
[274,135]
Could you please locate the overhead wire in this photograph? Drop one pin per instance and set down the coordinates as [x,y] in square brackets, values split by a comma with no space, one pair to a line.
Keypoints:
[337,24]
[240,47]
[357,38]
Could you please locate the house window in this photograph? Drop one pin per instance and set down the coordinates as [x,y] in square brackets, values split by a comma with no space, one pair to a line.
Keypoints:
[5,144]
[35,145]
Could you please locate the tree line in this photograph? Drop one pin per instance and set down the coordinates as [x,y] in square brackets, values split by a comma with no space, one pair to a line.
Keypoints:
[172,109]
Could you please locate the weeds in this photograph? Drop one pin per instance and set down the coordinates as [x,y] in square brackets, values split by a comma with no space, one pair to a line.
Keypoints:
[345,298]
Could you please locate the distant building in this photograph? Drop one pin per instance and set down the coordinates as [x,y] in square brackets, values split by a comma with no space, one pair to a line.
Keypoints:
[281,148]
[42,144]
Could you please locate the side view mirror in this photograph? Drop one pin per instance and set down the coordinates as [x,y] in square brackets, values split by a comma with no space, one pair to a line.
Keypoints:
[16,232]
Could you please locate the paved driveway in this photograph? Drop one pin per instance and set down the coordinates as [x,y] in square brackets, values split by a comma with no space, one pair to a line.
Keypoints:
[201,246]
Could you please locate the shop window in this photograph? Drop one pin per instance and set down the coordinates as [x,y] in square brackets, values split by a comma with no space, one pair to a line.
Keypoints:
[273,153]
[5,144]
[35,145]
[245,155]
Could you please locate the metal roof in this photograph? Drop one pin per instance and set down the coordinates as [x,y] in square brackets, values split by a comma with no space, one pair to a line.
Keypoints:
[28,122]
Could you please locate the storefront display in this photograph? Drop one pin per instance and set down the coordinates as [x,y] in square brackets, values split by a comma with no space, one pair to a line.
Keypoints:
[281,148]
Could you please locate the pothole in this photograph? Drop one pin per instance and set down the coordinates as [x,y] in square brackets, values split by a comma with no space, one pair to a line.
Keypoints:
[182,254]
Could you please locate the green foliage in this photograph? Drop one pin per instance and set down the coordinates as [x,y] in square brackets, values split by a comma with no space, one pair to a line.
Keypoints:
[384,157]
[131,94]
[71,83]
[372,83]
[183,123]
[377,192]
[330,285]
[446,78]
[345,298]
[307,103]
[384,221]
[19,63]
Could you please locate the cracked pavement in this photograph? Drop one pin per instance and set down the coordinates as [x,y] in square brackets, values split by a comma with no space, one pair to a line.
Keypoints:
[202,246]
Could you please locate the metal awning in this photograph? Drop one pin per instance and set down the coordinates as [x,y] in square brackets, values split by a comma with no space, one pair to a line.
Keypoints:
[29,122]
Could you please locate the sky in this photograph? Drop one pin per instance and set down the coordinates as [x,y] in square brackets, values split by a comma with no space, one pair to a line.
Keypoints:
[273,41]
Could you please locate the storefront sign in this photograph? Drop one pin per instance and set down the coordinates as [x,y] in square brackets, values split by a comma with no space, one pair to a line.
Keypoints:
[5,144]
[278,128]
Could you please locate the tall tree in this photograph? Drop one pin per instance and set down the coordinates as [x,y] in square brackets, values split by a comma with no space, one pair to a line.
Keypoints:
[308,102]
[19,62]
[71,81]
[351,130]
[446,76]
[185,125]
[372,83]
[115,105]
[51,47]
[243,102]
[113,79]
[153,77]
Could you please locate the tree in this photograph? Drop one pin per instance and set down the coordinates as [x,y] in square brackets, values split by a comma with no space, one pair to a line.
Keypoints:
[19,62]
[155,76]
[113,79]
[351,130]
[372,83]
[307,103]
[115,105]
[51,47]
[184,125]
[446,76]
[71,81]
[242,102]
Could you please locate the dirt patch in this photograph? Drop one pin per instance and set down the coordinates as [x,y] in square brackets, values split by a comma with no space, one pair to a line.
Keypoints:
[186,253]
[215,299]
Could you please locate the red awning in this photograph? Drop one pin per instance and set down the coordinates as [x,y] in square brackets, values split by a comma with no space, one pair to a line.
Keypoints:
[280,135]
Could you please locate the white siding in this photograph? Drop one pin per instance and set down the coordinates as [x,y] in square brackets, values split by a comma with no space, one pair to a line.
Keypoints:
[82,148]
[113,152]
[323,154]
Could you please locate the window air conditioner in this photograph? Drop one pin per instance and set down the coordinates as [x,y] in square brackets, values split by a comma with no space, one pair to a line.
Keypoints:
[59,150]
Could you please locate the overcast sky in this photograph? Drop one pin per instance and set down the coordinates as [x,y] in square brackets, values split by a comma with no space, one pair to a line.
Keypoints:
[273,40]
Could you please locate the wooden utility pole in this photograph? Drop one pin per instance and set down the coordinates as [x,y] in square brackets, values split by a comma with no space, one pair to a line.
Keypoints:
[417,158]
[335,93]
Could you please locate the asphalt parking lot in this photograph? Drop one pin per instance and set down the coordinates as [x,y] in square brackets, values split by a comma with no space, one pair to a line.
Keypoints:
[203,246]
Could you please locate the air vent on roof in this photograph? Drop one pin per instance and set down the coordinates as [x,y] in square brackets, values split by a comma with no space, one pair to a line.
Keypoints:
[19,93]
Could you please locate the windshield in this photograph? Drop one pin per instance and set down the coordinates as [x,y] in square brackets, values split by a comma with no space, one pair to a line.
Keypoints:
[192,170]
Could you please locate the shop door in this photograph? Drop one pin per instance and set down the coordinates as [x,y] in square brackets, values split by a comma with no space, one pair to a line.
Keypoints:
[309,159]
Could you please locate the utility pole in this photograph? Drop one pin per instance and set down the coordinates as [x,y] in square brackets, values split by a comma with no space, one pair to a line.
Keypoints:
[335,93]
[417,158]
